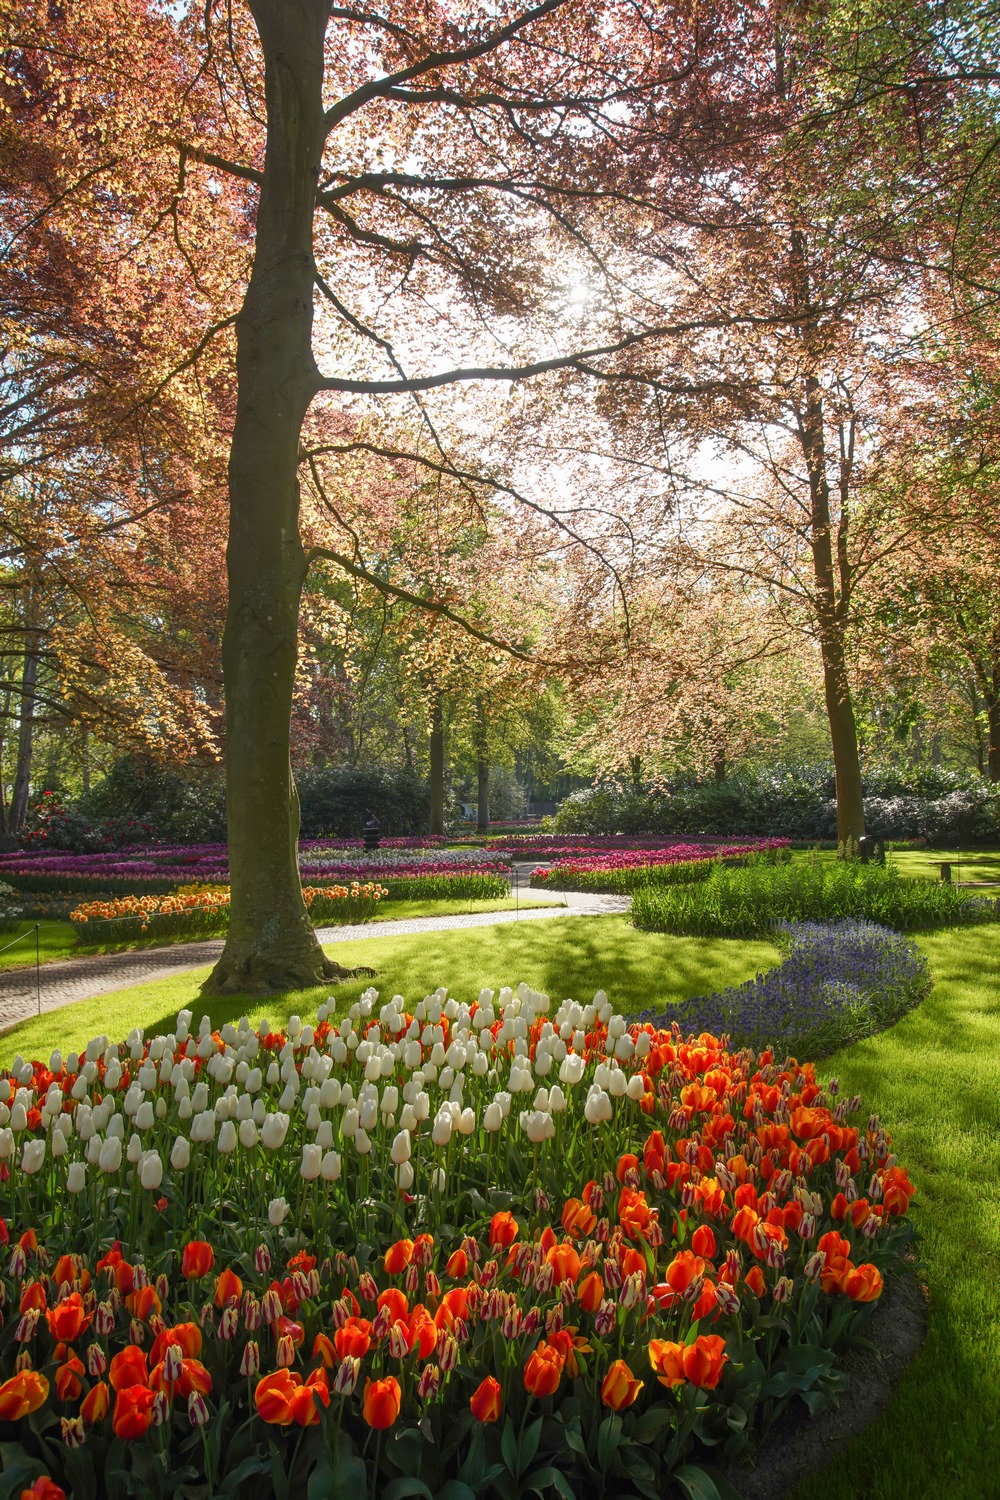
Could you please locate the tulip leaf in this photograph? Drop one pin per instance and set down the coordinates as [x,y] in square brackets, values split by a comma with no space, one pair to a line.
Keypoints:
[508,1447]
[697,1484]
[404,1486]
[528,1446]
[454,1489]
[608,1437]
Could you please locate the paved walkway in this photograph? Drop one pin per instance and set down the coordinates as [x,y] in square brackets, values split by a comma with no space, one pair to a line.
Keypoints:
[62,983]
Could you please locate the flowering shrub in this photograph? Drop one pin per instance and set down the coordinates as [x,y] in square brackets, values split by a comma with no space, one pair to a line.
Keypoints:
[624,871]
[461,1249]
[205,910]
[11,910]
[838,982]
[758,896]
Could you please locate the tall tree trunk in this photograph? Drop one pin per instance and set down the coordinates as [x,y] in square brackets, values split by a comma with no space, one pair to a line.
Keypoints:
[25,738]
[831,612]
[993,724]
[437,767]
[637,773]
[719,765]
[482,770]
[271,944]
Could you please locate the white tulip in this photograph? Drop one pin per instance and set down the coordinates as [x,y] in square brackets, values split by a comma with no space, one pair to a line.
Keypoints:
[324,1135]
[227,1138]
[400,1150]
[185,1109]
[442,1128]
[32,1156]
[312,1162]
[76,1177]
[330,1167]
[624,1047]
[557,1099]
[598,1107]
[618,1085]
[329,1093]
[351,1121]
[180,1155]
[19,1117]
[60,1145]
[404,1176]
[274,1130]
[369,1112]
[110,1158]
[134,1149]
[255,1079]
[572,1068]
[277,1212]
[248,1134]
[635,1088]
[151,1171]
[203,1126]
[362,1141]
[492,1117]
[6,1143]
[144,1115]
[467,1121]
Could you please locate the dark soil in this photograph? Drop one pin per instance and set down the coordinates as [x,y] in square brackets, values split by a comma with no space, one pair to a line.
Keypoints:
[799,1445]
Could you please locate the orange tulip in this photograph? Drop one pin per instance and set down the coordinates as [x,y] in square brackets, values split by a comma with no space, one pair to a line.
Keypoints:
[486,1401]
[703,1242]
[577,1219]
[565,1263]
[634,1214]
[395,1301]
[302,1403]
[626,1163]
[65,1270]
[228,1288]
[704,1360]
[197,1260]
[186,1335]
[683,1269]
[128,1368]
[273,1396]
[458,1265]
[454,1304]
[667,1359]
[323,1349]
[619,1388]
[504,1229]
[22,1394]
[543,1370]
[398,1256]
[95,1405]
[44,1488]
[863,1283]
[590,1293]
[33,1296]
[69,1382]
[381,1402]
[143,1302]
[68,1319]
[755,1281]
[193,1377]
[133,1414]
[354,1339]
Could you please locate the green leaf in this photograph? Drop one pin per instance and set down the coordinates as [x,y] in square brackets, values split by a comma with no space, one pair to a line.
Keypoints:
[235,1477]
[528,1446]
[454,1489]
[508,1447]
[704,1484]
[406,1484]
[608,1437]
[652,1422]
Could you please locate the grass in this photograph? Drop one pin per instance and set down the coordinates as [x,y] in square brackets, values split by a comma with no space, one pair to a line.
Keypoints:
[57,940]
[565,956]
[934,1078]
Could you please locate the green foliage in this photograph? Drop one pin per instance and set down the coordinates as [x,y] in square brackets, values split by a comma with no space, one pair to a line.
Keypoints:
[793,801]
[337,802]
[182,806]
[756,897]
[446,887]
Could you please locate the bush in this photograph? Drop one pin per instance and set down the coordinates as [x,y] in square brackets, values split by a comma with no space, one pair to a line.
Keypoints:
[336,803]
[793,801]
[186,806]
[11,909]
[839,982]
[756,898]
[53,826]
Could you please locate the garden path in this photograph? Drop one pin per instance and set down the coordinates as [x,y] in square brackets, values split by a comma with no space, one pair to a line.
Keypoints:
[63,983]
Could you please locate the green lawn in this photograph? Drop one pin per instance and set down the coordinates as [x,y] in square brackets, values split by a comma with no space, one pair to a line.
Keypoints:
[934,1078]
[967,864]
[566,956]
[57,940]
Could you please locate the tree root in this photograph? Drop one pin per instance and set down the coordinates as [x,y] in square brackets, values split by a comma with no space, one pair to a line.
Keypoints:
[255,973]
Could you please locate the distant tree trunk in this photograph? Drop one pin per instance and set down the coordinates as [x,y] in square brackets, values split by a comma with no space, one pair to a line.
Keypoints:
[719,765]
[270,943]
[637,773]
[85,760]
[437,766]
[993,724]
[482,771]
[25,739]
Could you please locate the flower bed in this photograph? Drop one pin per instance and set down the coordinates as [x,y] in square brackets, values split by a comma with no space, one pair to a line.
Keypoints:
[622,872]
[462,1250]
[159,870]
[759,897]
[204,913]
[839,982]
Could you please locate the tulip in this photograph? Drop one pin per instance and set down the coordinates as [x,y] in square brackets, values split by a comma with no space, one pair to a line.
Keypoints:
[22,1394]
[312,1162]
[151,1171]
[33,1156]
[381,1402]
[277,1212]
[133,1413]
[486,1401]
[180,1153]
[274,1130]
[197,1260]
[330,1167]
[619,1388]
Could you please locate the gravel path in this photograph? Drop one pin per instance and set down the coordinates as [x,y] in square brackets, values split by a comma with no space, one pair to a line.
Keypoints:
[85,978]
